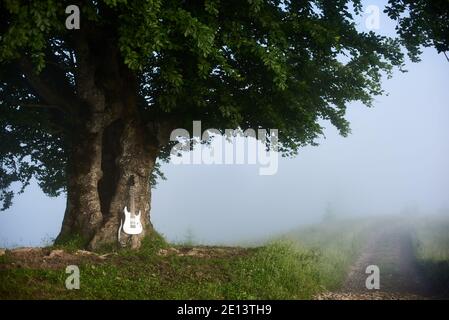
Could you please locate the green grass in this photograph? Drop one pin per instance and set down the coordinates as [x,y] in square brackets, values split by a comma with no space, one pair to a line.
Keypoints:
[432,238]
[336,243]
[275,271]
[69,243]
[431,246]
[297,265]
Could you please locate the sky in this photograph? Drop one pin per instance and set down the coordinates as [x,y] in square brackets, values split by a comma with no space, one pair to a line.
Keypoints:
[396,157]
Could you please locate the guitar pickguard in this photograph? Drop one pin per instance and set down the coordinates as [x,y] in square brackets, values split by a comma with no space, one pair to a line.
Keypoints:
[132,224]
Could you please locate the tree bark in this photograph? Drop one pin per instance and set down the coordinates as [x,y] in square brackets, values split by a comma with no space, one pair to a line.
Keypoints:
[103,166]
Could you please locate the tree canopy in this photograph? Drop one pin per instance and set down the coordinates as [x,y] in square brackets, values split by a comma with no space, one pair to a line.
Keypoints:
[248,64]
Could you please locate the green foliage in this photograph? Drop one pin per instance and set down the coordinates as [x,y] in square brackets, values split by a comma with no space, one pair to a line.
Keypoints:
[156,174]
[421,23]
[33,22]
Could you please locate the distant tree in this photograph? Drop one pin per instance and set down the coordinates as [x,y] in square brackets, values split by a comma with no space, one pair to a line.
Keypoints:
[410,210]
[86,111]
[329,214]
[189,237]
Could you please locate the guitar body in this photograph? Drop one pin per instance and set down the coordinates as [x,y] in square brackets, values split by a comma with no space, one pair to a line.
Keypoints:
[132,224]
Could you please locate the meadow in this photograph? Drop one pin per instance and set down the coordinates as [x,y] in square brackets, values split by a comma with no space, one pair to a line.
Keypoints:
[296,265]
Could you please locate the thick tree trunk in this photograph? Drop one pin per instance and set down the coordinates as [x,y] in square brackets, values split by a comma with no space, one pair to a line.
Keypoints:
[128,160]
[103,167]
[111,147]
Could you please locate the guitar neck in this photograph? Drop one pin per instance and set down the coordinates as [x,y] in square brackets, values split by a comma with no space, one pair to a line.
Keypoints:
[132,202]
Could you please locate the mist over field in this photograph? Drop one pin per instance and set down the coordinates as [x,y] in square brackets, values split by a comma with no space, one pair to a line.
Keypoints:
[393,162]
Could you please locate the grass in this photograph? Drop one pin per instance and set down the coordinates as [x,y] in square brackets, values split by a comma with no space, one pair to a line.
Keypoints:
[431,246]
[297,265]
[336,243]
[69,243]
[432,238]
[278,270]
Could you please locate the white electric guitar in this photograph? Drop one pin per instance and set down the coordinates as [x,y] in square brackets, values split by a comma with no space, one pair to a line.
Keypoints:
[132,224]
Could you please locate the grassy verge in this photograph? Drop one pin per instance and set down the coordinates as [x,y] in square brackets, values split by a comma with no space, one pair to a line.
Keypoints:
[337,244]
[301,264]
[431,246]
[274,271]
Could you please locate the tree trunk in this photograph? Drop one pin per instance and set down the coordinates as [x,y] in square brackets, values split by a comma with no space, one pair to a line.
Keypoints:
[103,166]
[128,159]
[111,147]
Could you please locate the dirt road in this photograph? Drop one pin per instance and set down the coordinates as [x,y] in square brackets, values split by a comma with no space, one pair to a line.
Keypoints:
[389,248]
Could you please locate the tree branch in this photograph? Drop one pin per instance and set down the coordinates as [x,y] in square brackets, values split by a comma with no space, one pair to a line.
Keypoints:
[44,85]
[40,106]
[31,103]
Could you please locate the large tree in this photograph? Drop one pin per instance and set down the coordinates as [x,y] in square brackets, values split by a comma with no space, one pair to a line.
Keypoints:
[86,111]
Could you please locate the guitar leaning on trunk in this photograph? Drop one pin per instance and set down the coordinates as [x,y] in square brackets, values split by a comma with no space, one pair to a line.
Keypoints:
[132,224]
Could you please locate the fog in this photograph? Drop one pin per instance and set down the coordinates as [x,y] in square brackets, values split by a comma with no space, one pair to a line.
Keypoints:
[396,158]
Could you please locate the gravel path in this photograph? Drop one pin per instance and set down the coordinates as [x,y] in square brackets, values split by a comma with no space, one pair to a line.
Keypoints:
[389,248]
